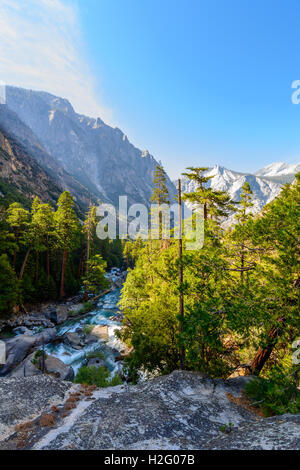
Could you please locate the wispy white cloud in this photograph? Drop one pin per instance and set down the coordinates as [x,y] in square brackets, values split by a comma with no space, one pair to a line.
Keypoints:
[41,47]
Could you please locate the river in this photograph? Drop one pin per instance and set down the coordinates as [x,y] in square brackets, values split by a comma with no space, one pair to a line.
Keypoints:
[107,307]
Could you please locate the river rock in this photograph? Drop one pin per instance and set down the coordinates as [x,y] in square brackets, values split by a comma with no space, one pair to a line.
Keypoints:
[52,366]
[73,339]
[21,346]
[90,339]
[26,368]
[100,331]
[76,309]
[60,315]
[22,330]
[96,362]
[58,369]
[28,321]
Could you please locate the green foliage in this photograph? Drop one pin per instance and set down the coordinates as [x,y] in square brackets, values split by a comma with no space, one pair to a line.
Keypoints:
[87,329]
[10,292]
[241,291]
[87,307]
[276,395]
[227,428]
[46,251]
[98,376]
[94,279]
[95,355]
[216,203]
[39,354]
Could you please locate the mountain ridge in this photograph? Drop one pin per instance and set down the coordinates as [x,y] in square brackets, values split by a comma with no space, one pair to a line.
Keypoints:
[265,190]
[100,157]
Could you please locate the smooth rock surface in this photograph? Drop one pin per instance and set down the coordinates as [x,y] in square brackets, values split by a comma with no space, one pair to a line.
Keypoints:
[182,411]
[23,399]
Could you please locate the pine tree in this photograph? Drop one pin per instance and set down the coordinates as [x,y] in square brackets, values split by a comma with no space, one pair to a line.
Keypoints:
[89,230]
[43,227]
[10,294]
[216,203]
[94,279]
[238,237]
[160,195]
[66,230]
[18,220]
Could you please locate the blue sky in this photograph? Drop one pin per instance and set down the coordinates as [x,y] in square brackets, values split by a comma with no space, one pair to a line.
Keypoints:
[194,82]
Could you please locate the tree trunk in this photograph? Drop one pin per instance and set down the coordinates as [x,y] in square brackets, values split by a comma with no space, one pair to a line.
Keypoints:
[263,354]
[242,263]
[181,300]
[205,211]
[63,269]
[48,260]
[24,264]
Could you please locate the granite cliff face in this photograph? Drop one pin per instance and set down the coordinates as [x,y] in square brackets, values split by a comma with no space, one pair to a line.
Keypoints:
[100,157]
[21,177]
[36,155]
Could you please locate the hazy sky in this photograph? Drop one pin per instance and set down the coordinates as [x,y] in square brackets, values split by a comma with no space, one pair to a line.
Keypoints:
[195,82]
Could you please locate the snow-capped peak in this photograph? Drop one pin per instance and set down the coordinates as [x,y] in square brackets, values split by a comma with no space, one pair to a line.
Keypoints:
[279,169]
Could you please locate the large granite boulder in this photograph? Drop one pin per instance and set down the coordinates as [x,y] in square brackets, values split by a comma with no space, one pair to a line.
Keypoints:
[59,315]
[58,369]
[32,366]
[73,340]
[27,368]
[18,348]
[182,411]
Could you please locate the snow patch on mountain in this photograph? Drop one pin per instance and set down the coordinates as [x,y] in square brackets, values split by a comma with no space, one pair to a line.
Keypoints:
[264,190]
[279,169]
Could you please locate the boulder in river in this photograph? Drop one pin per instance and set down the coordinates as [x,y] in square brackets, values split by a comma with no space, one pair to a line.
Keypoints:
[73,340]
[101,331]
[96,362]
[26,369]
[32,366]
[60,315]
[18,348]
[58,369]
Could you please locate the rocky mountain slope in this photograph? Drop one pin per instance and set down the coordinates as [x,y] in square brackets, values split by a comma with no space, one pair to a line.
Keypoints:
[23,135]
[264,189]
[100,157]
[21,177]
[184,410]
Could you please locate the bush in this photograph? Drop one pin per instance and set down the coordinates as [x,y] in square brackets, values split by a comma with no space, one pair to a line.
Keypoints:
[95,355]
[87,307]
[98,376]
[87,329]
[276,395]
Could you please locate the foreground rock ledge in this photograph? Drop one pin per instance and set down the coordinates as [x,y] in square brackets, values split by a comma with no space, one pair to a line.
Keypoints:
[183,411]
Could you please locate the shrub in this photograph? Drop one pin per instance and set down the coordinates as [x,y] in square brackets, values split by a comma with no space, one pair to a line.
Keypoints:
[87,329]
[38,354]
[276,395]
[87,307]
[95,355]
[98,376]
